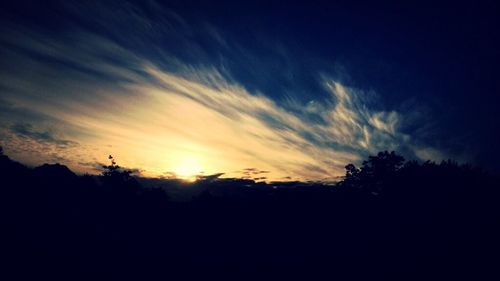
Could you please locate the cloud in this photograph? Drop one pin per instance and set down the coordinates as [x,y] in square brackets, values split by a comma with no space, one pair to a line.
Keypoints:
[34,148]
[158,111]
[429,153]
[27,131]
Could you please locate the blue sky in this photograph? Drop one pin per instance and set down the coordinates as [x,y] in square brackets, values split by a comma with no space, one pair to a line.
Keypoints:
[202,87]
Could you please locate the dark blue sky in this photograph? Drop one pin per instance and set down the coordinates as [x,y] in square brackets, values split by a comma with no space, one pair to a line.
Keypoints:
[434,63]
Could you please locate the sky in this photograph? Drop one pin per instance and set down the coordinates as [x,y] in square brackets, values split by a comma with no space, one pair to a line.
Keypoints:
[267,90]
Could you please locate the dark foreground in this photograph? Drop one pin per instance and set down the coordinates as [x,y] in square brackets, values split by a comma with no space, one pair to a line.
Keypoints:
[389,220]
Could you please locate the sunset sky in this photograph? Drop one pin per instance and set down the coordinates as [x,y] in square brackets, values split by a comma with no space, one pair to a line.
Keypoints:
[267,90]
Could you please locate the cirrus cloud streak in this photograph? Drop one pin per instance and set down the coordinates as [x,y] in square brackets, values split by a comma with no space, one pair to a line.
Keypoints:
[103,97]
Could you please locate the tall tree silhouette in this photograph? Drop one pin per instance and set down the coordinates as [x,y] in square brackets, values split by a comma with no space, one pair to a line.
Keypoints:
[374,172]
[117,178]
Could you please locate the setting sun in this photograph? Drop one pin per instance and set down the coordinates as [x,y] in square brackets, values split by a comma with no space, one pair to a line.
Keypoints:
[188,167]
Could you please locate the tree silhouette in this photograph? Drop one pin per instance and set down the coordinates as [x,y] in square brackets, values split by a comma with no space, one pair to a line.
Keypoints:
[417,217]
[382,165]
[374,172]
[117,178]
[351,171]
[113,169]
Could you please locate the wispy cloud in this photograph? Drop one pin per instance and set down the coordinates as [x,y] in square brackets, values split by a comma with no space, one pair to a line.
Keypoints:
[166,115]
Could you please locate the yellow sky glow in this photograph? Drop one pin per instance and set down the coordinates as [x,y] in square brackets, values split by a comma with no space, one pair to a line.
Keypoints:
[194,121]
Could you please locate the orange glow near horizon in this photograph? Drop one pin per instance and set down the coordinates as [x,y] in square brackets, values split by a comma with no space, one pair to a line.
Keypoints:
[188,167]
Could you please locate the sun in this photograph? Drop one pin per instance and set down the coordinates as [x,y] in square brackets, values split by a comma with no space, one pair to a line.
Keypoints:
[187,168]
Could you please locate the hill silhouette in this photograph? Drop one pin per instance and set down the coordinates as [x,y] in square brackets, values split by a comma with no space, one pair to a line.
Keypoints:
[388,219]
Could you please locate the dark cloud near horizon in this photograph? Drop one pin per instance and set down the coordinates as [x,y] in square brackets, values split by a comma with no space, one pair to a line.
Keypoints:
[28,131]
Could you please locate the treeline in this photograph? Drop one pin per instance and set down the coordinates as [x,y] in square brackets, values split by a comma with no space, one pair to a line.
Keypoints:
[389,218]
